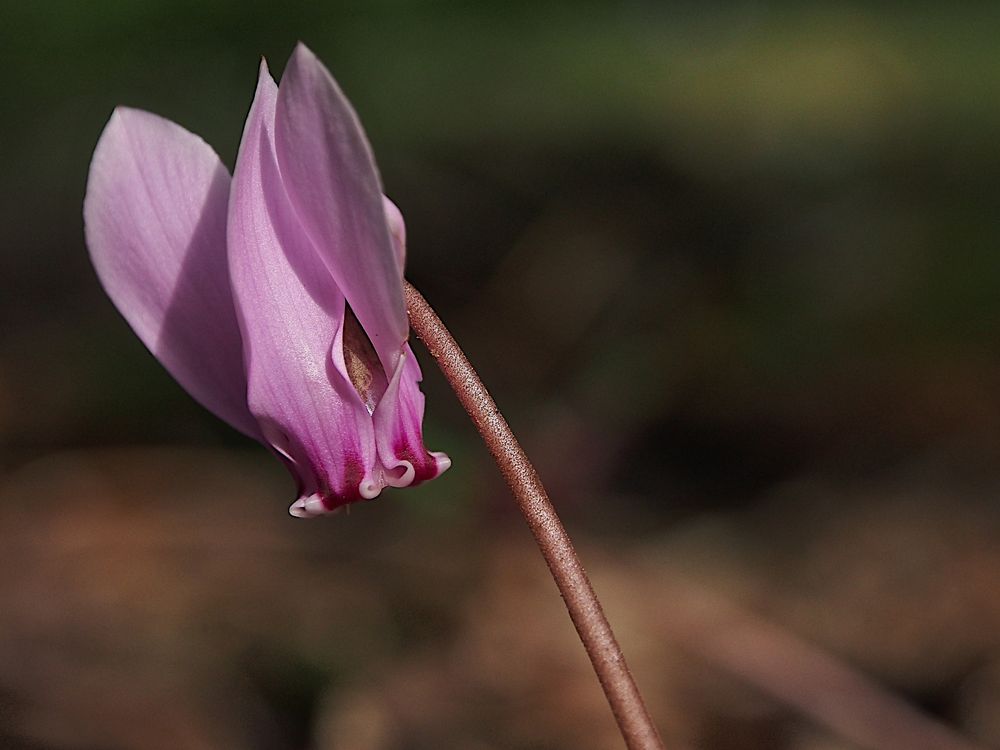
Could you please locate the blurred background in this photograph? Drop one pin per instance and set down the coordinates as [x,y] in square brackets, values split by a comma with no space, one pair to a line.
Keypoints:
[730,270]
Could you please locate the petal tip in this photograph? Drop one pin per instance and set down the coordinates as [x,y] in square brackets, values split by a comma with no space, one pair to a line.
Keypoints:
[443,462]
[124,116]
[308,507]
[302,51]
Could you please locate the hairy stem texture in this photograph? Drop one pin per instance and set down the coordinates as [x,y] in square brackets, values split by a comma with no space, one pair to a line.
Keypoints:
[584,608]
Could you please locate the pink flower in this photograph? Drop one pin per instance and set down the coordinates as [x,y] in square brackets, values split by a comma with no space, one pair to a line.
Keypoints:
[275,297]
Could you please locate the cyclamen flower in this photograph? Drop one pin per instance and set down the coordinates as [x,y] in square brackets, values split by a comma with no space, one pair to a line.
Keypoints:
[275,297]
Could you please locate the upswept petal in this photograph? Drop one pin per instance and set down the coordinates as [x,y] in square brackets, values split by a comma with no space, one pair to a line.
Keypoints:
[155,219]
[398,432]
[334,186]
[291,314]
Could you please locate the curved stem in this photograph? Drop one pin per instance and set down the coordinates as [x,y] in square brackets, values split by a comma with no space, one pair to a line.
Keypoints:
[584,608]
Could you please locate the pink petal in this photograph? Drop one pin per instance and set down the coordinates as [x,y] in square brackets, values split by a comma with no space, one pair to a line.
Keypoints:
[398,432]
[292,317]
[333,183]
[397,228]
[155,215]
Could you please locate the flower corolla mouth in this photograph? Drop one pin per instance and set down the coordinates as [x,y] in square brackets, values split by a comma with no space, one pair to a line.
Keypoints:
[274,296]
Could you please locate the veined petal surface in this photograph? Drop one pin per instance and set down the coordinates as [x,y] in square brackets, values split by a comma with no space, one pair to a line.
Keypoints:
[291,313]
[155,221]
[334,185]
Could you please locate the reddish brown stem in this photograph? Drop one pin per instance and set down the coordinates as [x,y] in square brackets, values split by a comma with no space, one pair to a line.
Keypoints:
[584,608]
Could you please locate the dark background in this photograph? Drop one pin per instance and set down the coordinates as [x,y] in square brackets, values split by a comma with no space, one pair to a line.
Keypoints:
[730,271]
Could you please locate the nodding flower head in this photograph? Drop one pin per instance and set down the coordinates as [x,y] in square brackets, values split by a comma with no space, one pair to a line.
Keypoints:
[275,296]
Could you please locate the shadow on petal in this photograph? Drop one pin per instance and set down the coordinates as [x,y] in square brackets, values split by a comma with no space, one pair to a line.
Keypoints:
[199,329]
